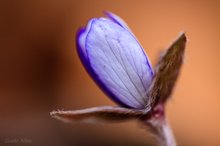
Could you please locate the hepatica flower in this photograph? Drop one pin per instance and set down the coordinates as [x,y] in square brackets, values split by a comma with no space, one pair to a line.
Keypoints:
[119,65]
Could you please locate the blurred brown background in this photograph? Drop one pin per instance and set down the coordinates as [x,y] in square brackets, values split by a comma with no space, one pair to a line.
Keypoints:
[40,70]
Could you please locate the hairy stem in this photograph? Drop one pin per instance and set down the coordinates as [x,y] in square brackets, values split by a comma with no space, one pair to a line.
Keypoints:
[159,126]
[162,131]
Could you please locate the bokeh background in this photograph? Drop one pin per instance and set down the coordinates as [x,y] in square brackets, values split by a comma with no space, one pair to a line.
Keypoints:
[40,70]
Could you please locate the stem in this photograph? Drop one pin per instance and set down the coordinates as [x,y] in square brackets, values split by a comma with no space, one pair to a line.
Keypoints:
[159,126]
[161,129]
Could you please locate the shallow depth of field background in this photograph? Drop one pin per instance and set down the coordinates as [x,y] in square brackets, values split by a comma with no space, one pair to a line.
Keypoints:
[40,70]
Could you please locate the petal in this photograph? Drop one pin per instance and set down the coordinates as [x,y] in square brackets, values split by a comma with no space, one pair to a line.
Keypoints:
[81,38]
[119,62]
[80,43]
[117,20]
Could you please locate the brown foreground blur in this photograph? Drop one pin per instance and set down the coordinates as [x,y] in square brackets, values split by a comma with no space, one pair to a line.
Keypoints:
[40,70]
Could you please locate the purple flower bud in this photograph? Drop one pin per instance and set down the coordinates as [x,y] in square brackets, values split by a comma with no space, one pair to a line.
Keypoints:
[118,64]
[115,60]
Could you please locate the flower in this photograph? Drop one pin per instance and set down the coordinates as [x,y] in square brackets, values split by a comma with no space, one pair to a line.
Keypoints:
[118,64]
[115,60]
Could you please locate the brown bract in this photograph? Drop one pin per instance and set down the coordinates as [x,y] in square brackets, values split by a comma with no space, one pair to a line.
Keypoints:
[167,71]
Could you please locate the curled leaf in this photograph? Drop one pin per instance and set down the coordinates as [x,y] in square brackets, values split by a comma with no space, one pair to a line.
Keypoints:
[101,114]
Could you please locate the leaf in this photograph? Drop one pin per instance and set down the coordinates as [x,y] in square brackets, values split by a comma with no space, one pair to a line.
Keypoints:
[98,114]
[167,71]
